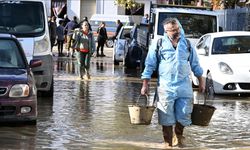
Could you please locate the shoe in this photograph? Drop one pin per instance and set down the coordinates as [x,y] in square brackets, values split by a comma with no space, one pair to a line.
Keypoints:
[72,56]
[102,55]
[86,77]
[97,55]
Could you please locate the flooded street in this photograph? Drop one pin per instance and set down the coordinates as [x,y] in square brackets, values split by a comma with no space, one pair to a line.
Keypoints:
[94,115]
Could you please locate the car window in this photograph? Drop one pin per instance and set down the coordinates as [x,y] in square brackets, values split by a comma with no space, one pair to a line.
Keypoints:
[14,20]
[124,32]
[10,55]
[231,45]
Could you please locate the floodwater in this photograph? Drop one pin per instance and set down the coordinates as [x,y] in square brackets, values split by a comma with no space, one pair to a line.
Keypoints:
[94,115]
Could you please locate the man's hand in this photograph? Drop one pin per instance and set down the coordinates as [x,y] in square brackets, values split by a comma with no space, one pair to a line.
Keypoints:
[201,84]
[144,89]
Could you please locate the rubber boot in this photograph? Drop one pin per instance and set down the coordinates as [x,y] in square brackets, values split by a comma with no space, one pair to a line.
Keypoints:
[168,135]
[179,134]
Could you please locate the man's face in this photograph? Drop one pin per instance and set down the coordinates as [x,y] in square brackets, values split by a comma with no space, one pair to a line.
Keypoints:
[172,30]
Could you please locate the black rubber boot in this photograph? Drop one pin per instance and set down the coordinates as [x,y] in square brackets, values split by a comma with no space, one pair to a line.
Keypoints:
[168,135]
[179,134]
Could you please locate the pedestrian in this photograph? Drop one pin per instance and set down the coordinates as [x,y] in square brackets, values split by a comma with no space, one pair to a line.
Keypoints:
[60,38]
[101,39]
[65,21]
[52,31]
[176,58]
[85,46]
[69,28]
[118,28]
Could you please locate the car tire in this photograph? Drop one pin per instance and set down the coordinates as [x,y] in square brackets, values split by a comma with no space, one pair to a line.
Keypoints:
[110,43]
[209,89]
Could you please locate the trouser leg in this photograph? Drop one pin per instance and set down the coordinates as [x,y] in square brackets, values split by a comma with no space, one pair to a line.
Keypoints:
[102,46]
[97,49]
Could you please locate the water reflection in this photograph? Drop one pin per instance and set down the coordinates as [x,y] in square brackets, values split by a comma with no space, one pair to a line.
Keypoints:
[94,115]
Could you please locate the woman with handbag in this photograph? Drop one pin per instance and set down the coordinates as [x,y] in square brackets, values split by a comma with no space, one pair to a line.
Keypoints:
[85,46]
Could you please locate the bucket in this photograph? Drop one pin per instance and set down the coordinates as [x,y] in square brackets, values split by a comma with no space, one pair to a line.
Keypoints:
[141,114]
[202,114]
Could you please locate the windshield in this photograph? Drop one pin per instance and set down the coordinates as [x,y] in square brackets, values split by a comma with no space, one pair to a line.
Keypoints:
[10,55]
[22,18]
[231,45]
[194,25]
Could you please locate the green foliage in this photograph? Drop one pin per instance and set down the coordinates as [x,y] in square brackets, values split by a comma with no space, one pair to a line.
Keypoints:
[128,4]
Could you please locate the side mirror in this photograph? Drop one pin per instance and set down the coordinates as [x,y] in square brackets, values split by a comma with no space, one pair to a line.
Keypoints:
[35,63]
[201,51]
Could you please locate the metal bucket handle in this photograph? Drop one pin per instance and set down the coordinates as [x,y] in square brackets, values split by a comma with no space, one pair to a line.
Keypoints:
[205,99]
[138,99]
[154,101]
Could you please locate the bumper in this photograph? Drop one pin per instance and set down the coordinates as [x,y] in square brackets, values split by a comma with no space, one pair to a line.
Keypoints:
[10,110]
[232,84]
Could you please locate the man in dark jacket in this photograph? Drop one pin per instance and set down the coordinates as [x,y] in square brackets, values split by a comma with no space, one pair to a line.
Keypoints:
[69,28]
[119,26]
[52,31]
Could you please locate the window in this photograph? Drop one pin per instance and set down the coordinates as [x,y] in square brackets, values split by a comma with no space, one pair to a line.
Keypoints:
[10,55]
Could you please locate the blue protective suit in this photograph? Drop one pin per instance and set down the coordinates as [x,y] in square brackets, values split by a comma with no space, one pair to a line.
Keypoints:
[174,86]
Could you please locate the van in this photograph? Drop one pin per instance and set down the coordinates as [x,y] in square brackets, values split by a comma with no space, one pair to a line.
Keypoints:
[110,21]
[27,20]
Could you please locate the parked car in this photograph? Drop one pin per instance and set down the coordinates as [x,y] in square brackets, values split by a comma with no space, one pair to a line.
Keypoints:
[18,92]
[224,57]
[121,44]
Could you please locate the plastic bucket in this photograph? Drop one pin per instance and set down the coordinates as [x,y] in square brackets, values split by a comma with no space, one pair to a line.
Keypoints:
[141,115]
[202,114]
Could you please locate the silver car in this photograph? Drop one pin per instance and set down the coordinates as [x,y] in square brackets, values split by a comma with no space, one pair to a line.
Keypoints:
[121,44]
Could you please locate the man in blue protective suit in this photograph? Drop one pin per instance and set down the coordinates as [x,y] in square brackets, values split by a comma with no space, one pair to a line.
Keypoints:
[176,59]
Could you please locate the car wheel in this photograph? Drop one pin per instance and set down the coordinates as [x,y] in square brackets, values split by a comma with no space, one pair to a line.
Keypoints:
[209,89]
[110,43]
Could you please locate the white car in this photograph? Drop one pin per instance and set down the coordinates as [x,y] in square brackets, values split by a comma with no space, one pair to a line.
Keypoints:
[121,44]
[225,59]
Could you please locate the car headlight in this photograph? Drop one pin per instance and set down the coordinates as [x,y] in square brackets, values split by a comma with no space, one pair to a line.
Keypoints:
[41,45]
[224,68]
[19,90]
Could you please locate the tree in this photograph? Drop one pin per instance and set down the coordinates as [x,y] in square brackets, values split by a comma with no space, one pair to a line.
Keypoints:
[128,4]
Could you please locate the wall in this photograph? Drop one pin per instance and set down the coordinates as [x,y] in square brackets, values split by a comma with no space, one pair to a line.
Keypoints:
[73,8]
[88,8]
[234,19]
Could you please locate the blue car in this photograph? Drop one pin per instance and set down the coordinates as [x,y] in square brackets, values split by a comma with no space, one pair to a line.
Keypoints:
[18,92]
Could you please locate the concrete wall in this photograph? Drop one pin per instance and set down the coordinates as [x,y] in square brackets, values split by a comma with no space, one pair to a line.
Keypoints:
[73,8]
[88,8]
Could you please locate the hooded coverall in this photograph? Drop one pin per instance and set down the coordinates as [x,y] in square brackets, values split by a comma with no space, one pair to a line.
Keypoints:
[174,85]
